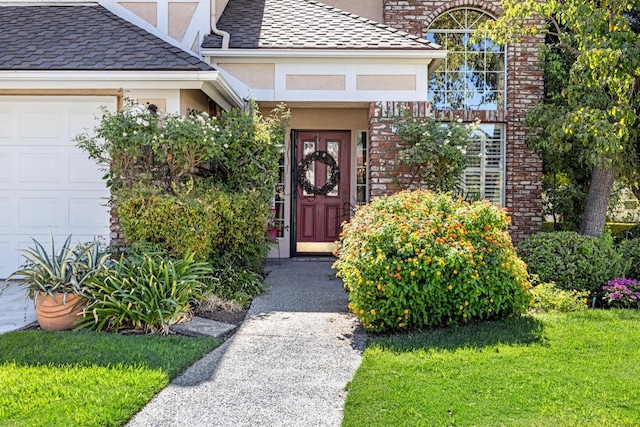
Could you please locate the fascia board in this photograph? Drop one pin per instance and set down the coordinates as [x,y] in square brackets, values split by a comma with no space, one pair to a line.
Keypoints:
[210,82]
[176,78]
[335,54]
[223,94]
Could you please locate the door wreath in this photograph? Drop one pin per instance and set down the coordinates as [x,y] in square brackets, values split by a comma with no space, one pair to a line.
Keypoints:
[327,159]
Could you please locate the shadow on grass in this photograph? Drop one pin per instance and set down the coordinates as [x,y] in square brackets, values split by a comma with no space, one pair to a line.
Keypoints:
[523,330]
[171,354]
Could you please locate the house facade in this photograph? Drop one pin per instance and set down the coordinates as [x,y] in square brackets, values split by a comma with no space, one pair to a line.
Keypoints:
[343,67]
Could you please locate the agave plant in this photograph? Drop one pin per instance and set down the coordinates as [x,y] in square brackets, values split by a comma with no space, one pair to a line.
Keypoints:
[60,271]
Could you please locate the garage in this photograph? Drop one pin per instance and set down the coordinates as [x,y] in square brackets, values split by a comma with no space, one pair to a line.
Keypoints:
[46,183]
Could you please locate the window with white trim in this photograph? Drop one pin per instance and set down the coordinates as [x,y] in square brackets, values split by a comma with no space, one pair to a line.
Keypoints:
[473,74]
[278,201]
[485,172]
[362,168]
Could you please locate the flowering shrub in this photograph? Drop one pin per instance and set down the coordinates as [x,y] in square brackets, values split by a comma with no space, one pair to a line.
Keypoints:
[435,150]
[192,184]
[419,259]
[136,145]
[622,293]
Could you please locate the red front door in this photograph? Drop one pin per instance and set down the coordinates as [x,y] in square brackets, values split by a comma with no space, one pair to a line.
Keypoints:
[323,188]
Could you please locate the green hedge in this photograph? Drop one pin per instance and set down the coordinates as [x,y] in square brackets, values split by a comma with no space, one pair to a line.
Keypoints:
[219,227]
[571,260]
[617,229]
[630,251]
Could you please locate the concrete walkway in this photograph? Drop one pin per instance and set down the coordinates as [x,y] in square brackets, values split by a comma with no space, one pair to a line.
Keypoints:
[287,365]
[16,310]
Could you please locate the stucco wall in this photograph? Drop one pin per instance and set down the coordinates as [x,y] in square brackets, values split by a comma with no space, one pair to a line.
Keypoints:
[180,16]
[219,6]
[256,76]
[147,10]
[193,99]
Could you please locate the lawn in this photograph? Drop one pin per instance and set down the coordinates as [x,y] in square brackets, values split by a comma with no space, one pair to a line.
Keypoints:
[579,369]
[87,378]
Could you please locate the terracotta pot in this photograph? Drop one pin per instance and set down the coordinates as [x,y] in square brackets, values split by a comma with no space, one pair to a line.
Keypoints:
[53,315]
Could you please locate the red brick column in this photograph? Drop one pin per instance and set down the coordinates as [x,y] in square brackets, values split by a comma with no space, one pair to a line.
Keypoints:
[524,168]
[386,175]
[118,243]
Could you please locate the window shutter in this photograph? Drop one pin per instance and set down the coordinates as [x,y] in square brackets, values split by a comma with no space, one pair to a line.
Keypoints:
[484,176]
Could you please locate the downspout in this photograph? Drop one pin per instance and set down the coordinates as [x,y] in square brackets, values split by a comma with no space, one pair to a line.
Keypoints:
[225,36]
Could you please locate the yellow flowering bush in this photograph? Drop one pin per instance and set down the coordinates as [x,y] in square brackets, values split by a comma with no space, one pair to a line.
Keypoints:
[419,258]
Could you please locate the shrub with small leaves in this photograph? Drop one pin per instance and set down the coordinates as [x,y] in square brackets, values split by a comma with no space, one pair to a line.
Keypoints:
[419,259]
[548,298]
[630,251]
[217,226]
[195,184]
[571,260]
[177,224]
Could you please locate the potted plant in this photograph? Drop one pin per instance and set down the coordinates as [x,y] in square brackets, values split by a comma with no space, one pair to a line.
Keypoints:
[272,226]
[56,280]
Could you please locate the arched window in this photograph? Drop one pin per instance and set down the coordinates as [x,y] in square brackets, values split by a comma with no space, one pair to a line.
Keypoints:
[473,74]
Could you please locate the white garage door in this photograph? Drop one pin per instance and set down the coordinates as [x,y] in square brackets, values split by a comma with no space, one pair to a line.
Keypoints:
[46,183]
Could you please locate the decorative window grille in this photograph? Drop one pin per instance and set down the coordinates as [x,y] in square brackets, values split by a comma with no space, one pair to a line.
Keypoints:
[485,172]
[362,168]
[278,202]
[473,75]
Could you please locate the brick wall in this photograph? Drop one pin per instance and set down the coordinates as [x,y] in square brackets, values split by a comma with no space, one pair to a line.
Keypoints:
[524,89]
[386,175]
[118,243]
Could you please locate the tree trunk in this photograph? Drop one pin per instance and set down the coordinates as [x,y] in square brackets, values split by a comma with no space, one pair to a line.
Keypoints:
[595,211]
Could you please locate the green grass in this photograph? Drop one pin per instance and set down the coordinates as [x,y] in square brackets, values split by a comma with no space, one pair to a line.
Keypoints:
[87,378]
[576,369]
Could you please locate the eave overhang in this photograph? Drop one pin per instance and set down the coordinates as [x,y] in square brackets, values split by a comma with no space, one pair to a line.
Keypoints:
[426,56]
[210,82]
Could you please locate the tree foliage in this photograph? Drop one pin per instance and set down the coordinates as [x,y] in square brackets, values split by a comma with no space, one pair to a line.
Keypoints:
[592,73]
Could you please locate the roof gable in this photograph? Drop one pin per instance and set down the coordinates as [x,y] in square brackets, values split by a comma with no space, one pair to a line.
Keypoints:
[305,24]
[84,37]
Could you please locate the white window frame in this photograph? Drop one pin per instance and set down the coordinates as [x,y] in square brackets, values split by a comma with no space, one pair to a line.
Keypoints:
[485,168]
[445,70]
[360,134]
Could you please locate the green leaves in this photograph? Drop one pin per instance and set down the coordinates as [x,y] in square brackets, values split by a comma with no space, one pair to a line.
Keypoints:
[435,151]
[591,63]
[217,226]
[419,259]
[64,270]
[145,293]
[238,150]
[234,284]
[572,261]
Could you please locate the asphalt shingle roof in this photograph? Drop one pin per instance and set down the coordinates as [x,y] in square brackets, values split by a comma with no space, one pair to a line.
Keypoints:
[83,38]
[305,24]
